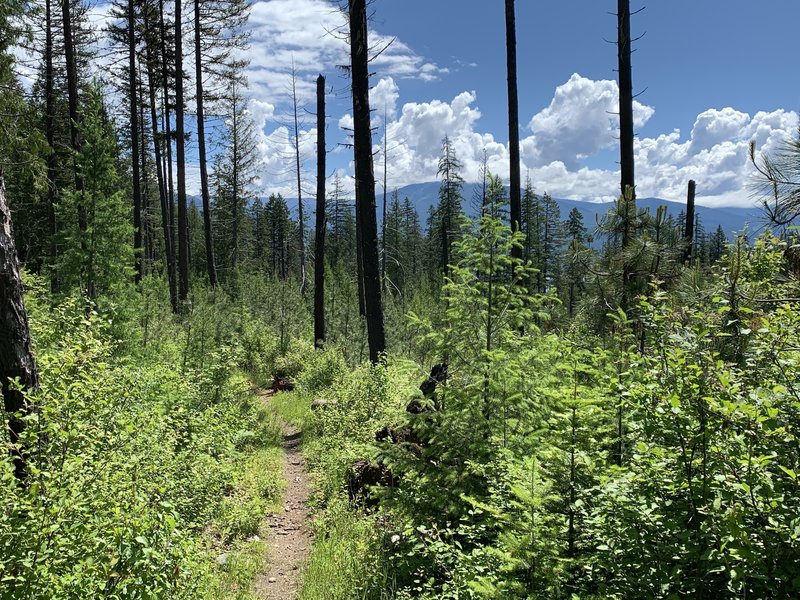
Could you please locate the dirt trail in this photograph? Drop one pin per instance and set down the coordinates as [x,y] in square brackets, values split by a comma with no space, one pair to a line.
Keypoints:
[290,537]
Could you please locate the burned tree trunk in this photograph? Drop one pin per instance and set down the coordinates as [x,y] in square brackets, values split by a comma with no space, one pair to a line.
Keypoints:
[626,133]
[688,231]
[365,179]
[16,357]
[513,124]
[319,246]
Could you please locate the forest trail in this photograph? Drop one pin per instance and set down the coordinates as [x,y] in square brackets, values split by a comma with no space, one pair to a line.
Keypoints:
[290,536]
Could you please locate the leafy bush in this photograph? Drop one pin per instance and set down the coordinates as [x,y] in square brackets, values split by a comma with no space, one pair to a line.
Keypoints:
[135,452]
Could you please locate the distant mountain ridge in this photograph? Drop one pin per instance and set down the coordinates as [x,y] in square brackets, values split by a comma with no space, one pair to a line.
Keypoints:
[424,195]
[732,219]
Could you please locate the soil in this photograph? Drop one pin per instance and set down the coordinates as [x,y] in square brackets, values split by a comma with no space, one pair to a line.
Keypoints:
[290,538]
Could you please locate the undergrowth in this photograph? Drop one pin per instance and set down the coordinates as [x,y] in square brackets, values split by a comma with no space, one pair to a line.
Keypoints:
[151,455]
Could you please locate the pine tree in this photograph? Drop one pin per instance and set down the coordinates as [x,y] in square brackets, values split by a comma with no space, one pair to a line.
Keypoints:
[413,241]
[395,263]
[280,228]
[99,249]
[717,245]
[235,172]
[444,225]
[180,137]
[575,259]
[219,38]
[341,223]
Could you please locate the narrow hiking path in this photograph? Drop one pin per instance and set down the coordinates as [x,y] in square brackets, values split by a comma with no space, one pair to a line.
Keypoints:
[290,537]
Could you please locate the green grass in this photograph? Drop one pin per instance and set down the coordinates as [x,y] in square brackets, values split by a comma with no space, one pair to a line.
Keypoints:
[245,560]
[345,561]
[256,490]
[292,407]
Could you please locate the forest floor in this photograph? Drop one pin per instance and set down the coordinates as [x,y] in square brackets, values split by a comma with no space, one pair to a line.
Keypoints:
[290,538]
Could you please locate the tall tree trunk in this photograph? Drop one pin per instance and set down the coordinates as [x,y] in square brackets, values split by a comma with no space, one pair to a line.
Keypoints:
[300,217]
[16,357]
[365,179]
[201,148]
[362,309]
[626,135]
[625,97]
[235,186]
[688,233]
[134,120]
[383,220]
[173,265]
[183,223]
[49,126]
[147,221]
[75,137]
[169,256]
[513,124]
[319,245]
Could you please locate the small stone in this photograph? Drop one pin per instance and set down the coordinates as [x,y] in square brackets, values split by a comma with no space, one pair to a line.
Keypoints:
[222,559]
[254,538]
[272,580]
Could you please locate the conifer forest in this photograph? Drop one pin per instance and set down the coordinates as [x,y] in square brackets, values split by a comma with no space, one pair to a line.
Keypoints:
[215,388]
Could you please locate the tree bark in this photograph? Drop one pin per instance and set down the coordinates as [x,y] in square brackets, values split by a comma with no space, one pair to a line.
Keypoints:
[365,179]
[235,186]
[513,124]
[626,133]
[75,136]
[383,220]
[16,356]
[183,224]
[173,266]
[688,232]
[300,217]
[169,256]
[134,120]
[147,222]
[362,310]
[319,245]
[201,149]
[49,125]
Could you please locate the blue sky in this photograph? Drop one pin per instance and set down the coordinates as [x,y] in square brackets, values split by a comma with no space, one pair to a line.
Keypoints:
[695,55]
[713,75]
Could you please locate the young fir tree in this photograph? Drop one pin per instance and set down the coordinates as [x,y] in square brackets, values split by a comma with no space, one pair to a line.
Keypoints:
[575,260]
[280,228]
[717,244]
[99,249]
[443,226]
[235,172]
[341,223]
[393,243]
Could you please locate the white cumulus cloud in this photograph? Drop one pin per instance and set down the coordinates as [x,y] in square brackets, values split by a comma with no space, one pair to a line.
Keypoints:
[579,123]
[581,119]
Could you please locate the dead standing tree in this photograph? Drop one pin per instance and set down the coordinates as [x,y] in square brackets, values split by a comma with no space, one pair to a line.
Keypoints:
[513,124]
[319,246]
[365,178]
